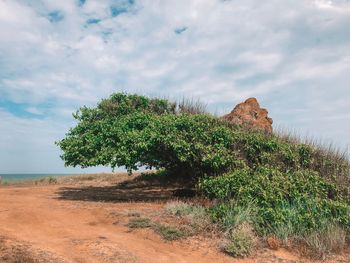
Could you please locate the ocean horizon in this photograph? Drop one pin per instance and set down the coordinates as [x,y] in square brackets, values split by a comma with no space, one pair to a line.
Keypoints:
[31,176]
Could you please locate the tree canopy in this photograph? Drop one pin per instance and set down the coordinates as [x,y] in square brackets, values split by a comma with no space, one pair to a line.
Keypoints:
[134,131]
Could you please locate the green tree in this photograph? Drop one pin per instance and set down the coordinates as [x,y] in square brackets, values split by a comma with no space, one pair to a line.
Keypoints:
[134,131]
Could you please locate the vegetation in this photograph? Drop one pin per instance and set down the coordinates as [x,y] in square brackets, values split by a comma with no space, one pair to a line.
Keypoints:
[331,239]
[269,184]
[140,222]
[196,215]
[241,241]
[133,131]
[169,232]
[166,231]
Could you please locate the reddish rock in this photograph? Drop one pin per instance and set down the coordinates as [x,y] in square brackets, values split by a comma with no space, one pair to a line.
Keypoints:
[273,242]
[250,115]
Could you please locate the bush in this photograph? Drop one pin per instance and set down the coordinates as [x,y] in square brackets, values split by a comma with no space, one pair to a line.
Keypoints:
[300,200]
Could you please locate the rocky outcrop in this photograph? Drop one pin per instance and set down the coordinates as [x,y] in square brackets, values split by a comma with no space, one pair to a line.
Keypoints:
[250,115]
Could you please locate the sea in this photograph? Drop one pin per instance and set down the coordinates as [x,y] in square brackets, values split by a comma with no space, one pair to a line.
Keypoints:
[28,177]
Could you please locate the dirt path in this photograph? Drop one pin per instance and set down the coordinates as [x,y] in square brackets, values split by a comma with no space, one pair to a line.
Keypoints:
[61,230]
[84,231]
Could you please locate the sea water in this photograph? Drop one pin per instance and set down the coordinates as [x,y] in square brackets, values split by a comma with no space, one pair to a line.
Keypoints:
[27,177]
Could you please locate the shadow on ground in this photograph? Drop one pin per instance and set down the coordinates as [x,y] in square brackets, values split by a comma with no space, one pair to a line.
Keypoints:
[136,190]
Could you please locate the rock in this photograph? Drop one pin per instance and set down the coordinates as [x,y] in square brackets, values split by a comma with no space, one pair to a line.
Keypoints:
[273,242]
[250,115]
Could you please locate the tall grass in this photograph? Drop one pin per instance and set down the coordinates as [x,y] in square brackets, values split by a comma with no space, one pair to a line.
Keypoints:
[192,106]
[330,240]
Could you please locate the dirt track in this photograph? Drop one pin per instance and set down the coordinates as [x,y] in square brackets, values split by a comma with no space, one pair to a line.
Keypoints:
[65,224]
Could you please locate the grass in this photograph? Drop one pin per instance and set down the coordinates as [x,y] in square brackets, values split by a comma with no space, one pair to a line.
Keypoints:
[49,180]
[238,235]
[169,232]
[330,240]
[14,252]
[241,241]
[179,208]
[105,177]
[44,180]
[192,106]
[232,216]
[21,257]
[196,215]
[140,222]
[166,231]
[74,179]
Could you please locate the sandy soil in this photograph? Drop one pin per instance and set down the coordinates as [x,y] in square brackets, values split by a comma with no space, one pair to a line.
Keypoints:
[85,222]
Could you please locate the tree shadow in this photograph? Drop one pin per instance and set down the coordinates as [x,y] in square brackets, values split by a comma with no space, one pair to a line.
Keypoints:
[135,190]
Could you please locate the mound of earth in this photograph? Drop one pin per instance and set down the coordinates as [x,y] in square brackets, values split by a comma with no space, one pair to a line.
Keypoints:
[249,114]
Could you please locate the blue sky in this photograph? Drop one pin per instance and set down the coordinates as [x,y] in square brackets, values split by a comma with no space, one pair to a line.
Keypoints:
[55,56]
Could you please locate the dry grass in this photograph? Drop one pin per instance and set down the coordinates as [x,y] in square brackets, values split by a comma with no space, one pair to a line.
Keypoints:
[331,240]
[14,251]
[240,242]
[195,216]
[101,177]
[192,106]
[74,179]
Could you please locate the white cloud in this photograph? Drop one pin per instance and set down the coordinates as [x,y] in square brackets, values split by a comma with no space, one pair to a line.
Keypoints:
[34,110]
[291,54]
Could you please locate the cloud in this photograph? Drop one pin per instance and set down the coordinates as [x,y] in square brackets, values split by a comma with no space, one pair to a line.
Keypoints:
[293,55]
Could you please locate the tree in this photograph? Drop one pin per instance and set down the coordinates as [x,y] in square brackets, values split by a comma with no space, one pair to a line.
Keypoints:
[134,131]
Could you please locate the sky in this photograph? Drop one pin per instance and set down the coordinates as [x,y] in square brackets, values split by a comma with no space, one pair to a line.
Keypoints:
[55,56]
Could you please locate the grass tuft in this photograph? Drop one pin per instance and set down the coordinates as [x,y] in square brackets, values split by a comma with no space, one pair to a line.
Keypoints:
[241,241]
[140,222]
[192,106]
[331,240]
[169,232]
[197,216]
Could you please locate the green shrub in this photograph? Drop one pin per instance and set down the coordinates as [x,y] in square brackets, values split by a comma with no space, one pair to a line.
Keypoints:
[300,199]
[267,185]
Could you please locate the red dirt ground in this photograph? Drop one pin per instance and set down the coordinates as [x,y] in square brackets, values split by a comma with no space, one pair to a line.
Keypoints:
[85,222]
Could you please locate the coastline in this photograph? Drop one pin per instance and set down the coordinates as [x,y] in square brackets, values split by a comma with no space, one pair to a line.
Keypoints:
[17,178]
